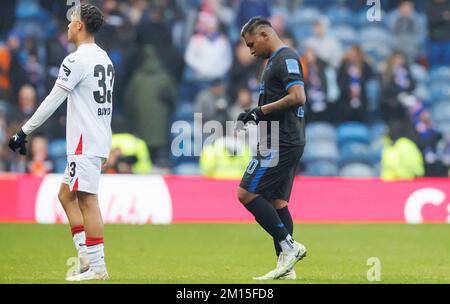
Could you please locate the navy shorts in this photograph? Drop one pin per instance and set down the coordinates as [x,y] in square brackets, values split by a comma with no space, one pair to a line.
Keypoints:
[272,175]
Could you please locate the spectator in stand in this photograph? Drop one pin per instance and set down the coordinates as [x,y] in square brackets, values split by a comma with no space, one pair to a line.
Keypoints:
[208,53]
[212,102]
[244,72]
[27,102]
[396,79]
[428,136]
[7,17]
[327,48]
[17,74]
[129,154]
[317,108]
[446,156]
[226,158]
[401,158]
[244,101]
[150,96]
[438,14]
[39,163]
[3,134]
[406,29]
[5,65]
[251,8]
[353,76]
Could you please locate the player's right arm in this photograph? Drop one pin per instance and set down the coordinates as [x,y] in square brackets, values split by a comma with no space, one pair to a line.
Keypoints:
[70,73]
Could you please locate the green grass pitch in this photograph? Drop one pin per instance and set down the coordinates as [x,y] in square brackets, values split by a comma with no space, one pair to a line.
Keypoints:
[231,253]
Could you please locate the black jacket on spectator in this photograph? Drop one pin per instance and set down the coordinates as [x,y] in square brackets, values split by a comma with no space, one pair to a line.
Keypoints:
[351,111]
[438,15]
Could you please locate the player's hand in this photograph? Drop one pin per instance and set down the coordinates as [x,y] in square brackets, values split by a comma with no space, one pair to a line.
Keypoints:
[17,141]
[254,114]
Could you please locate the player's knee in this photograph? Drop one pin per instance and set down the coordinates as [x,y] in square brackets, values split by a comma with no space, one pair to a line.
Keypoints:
[244,196]
[64,196]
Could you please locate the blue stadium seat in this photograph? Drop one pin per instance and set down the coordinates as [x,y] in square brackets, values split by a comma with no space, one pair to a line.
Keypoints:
[321,150]
[189,168]
[57,153]
[419,73]
[444,127]
[440,112]
[440,91]
[357,170]
[354,132]
[355,152]
[184,110]
[339,15]
[423,93]
[321,131]
[377,35]
[304,16]
[322,168]
[439,74]
[378,129]
[346,34]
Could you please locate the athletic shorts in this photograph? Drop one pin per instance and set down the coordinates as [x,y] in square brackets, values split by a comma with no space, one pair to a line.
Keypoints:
[83,173]
[272,175]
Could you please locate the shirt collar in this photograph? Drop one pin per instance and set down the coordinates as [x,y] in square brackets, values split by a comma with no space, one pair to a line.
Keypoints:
[276,52]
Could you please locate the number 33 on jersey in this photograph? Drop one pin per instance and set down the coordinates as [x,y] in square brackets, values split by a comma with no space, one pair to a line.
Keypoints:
[88,74]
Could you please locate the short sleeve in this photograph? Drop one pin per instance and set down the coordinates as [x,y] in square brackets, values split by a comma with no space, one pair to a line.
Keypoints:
[70,73]
[291,72]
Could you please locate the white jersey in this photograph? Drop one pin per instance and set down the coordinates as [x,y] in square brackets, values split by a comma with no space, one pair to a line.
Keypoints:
[88,74]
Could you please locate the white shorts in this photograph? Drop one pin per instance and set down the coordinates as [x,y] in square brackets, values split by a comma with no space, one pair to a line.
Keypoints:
[83,173]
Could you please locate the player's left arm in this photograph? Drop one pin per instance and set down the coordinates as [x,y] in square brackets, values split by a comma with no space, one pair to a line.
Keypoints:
[295,98]
[290,75]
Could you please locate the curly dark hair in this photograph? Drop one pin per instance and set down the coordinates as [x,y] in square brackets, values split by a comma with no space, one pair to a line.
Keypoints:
[92,17]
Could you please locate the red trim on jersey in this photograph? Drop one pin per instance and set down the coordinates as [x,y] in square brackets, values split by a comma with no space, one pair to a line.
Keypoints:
[75,186]
[92,241]
[79,149]
[77,229]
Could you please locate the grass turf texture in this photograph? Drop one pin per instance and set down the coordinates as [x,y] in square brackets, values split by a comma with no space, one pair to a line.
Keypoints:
[231,253]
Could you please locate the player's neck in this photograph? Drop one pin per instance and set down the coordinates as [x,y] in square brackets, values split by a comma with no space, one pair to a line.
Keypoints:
[276,46]
[85,40]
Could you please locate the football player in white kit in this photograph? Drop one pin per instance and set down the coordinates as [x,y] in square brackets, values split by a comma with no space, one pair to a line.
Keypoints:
[86,79]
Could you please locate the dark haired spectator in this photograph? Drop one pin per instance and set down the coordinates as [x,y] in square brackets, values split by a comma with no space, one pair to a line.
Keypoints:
[39,163]
[317,106]
[438,15]
[212,102]
[326,47]
[244,72]
[353,76]
[395,79]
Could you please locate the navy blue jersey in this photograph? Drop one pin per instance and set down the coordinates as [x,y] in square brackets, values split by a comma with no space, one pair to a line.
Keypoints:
[282,71]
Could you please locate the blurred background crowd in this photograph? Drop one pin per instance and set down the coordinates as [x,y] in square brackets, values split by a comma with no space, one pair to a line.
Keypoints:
[378,91]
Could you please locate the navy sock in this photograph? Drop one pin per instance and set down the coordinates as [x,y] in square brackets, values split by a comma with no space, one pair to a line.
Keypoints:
[267,217]
[286,218]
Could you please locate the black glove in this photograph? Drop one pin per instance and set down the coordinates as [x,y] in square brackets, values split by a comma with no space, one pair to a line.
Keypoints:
[254,114]
[17,141]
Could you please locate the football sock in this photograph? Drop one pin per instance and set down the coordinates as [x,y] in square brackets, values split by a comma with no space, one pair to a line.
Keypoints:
[286,218]
[267,217]
[79,239]
[95,252]
[288,244]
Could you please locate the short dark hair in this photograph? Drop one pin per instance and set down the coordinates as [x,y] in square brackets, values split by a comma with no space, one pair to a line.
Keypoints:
[253,24]
[91,16]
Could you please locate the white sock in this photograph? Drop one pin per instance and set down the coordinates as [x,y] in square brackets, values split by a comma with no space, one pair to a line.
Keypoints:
[79,239]
[288,244]
[96,257]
